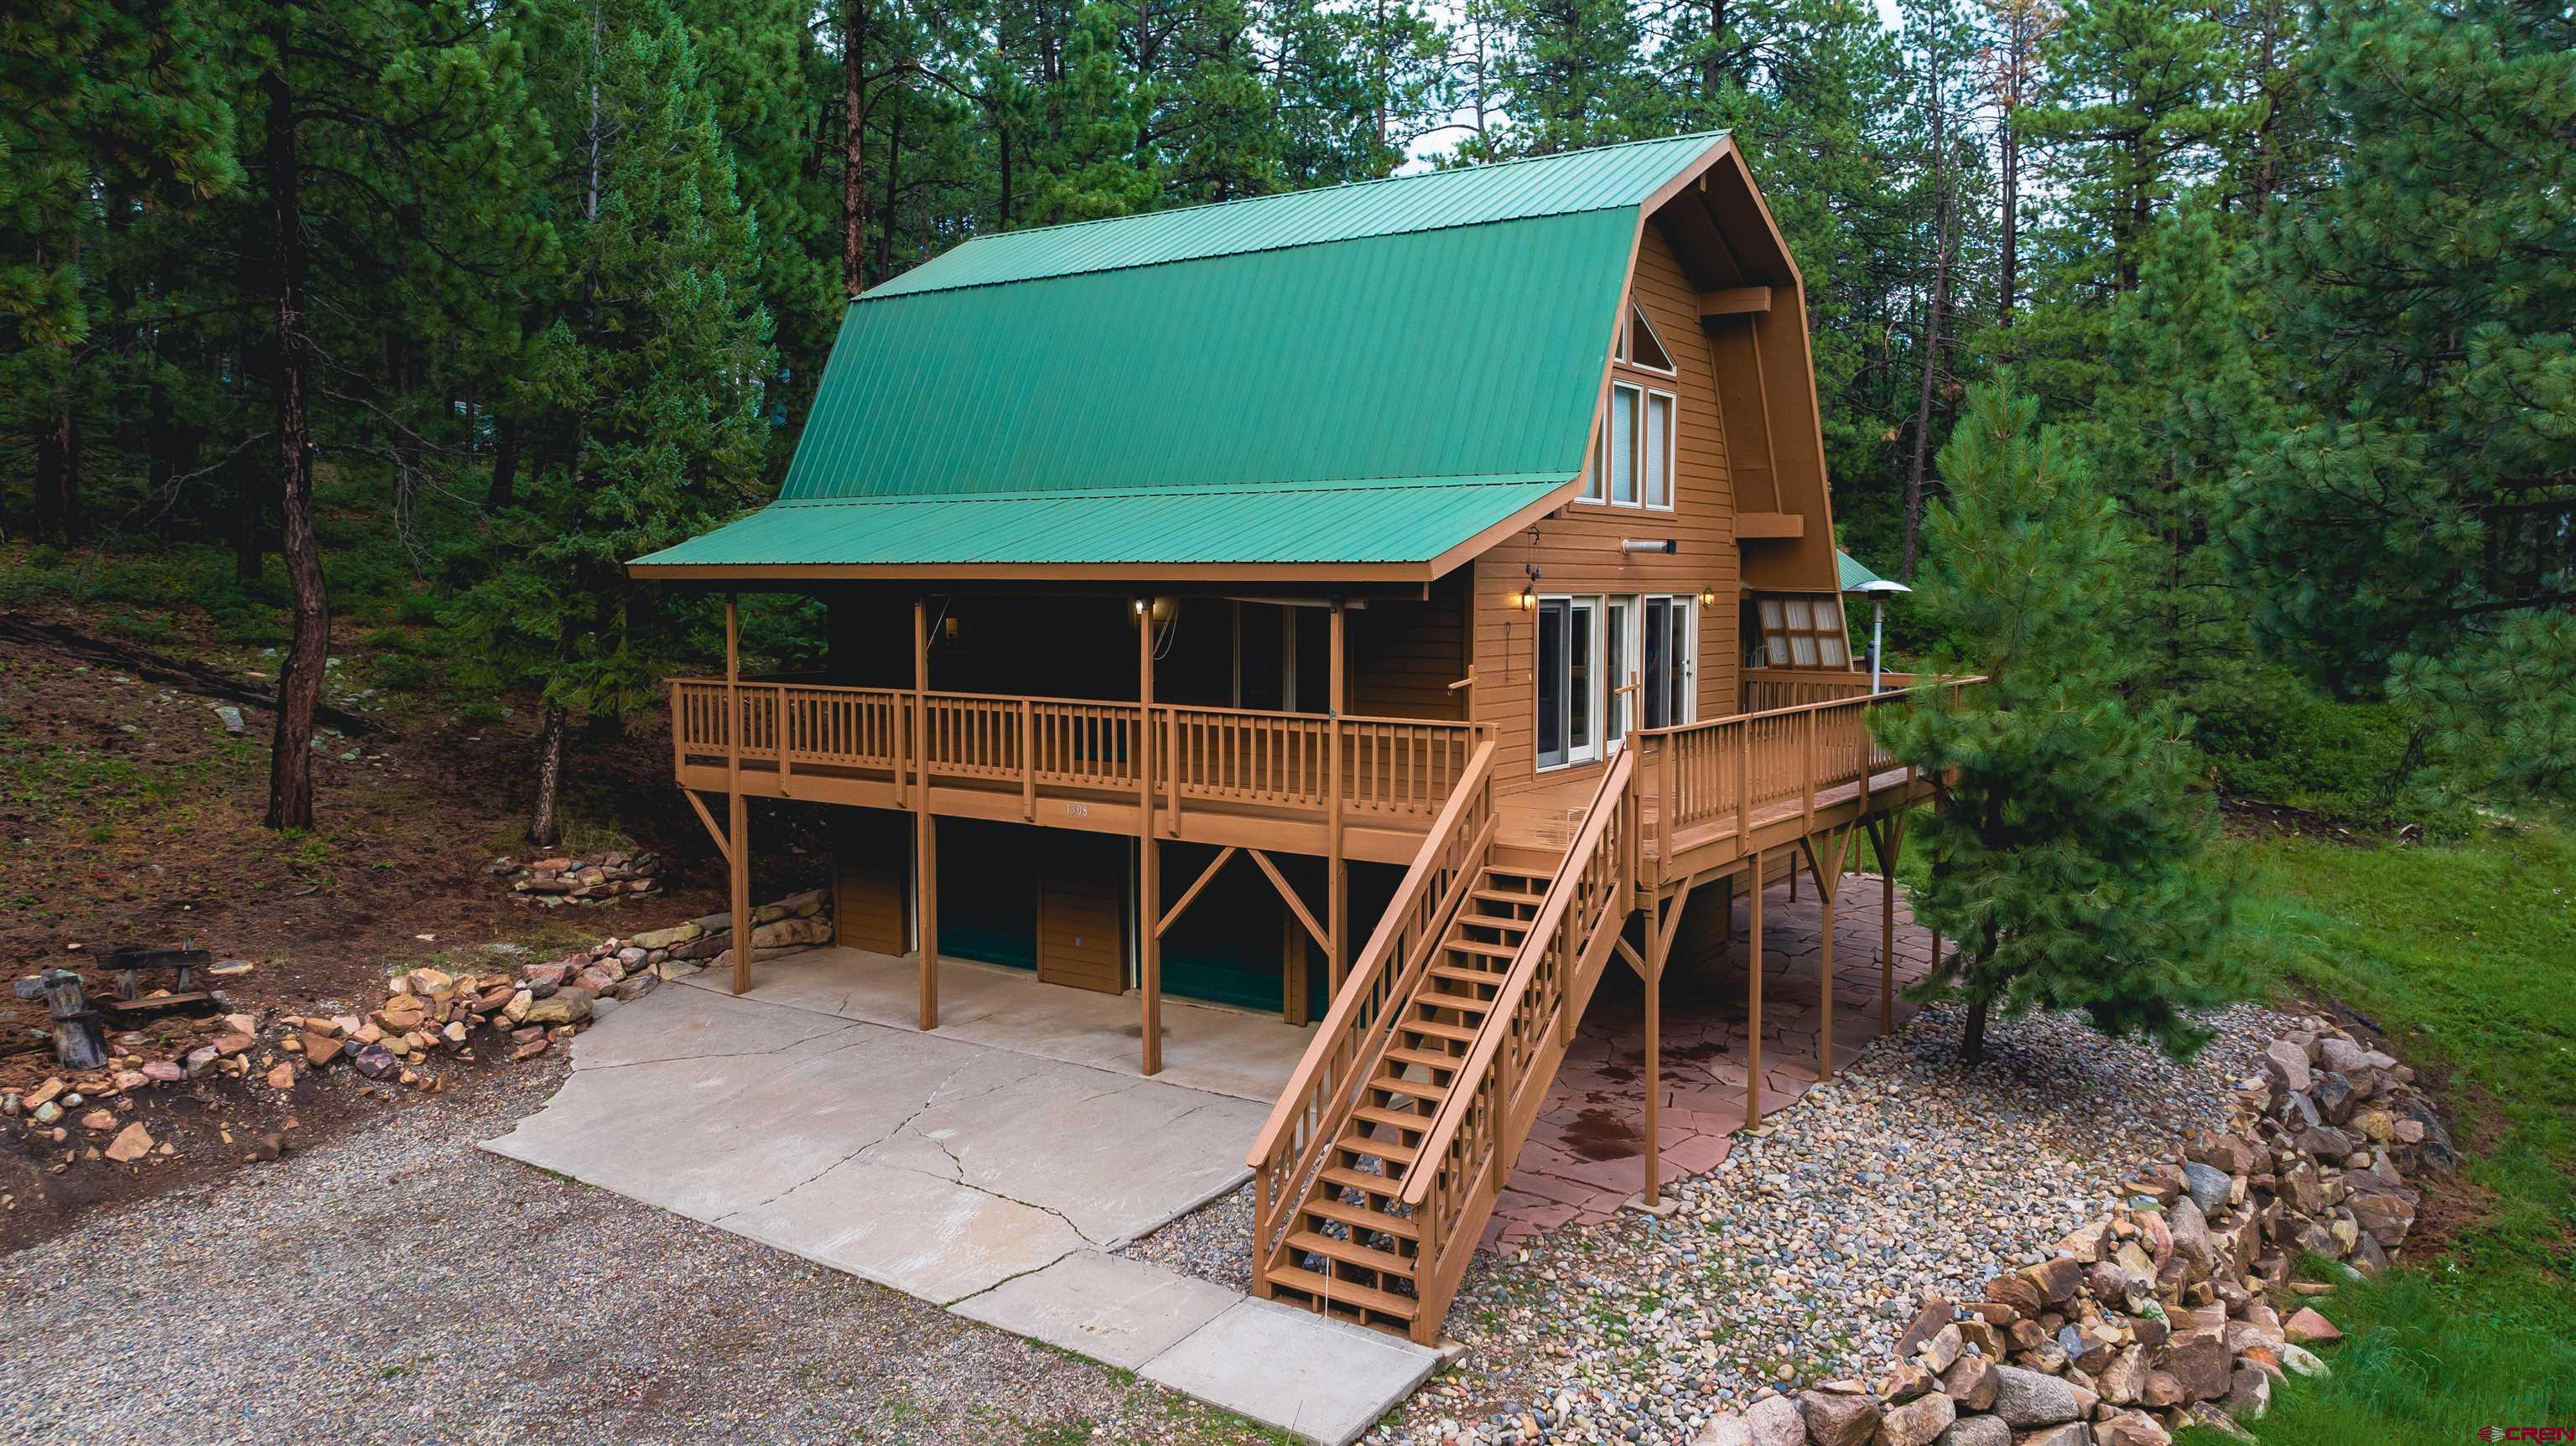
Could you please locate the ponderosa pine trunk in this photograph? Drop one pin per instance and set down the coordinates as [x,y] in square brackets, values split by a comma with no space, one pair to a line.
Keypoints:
[58,509]
[854,171]
[1972,1041]
[1935,307]
[299,683]
[504,488]
[545,823]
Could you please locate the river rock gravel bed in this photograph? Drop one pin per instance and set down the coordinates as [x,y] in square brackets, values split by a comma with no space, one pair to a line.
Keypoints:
[399,1285]
[1801,1257]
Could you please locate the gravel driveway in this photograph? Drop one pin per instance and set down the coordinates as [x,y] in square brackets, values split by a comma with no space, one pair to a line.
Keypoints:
[399,1285]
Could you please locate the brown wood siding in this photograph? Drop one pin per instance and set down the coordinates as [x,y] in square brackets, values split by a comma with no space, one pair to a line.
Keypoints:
[1080,912]
[1404,655]
[1577,551]
[868,851]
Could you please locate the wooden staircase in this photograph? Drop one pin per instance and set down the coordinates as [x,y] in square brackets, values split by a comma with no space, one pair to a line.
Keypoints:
[1382,1160]
[1352,1248]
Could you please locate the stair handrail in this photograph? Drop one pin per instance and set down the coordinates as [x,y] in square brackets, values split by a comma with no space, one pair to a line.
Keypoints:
[1476,1071]
[1346,1045]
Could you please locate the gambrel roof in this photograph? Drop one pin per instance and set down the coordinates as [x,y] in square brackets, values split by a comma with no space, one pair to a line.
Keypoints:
[1381,376]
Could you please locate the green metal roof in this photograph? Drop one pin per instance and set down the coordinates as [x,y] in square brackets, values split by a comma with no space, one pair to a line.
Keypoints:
[1603,178]
[1852,573]
[1268,365]
[1367,523]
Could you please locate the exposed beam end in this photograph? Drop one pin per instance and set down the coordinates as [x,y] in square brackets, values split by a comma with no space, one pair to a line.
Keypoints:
[1734,301]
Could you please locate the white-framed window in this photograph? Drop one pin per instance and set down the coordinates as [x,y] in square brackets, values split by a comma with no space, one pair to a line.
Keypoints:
[1567,681]
[1639,346]
[1653,640]
[1634,466]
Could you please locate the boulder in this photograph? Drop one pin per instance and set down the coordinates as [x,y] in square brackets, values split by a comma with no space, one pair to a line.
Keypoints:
[2208,1186]
[2073,1433]
[2019,1293]
[2199,1361]
[1937,1350]
[1904,1382]
[2249,1393]
[1838,1418]
[2057,1279]
[1726,1429]
[1930,1318]
[2334,1096]
[1776,1421]
[1970,1382]
[1977,1431]
[1916,1423]
[2309,1328]
[2024,1398]
[2300,1361]
[2123,1381]
[131,1143]
[2131,1428]
[375,1061]
[281,1075]
[2288,1064]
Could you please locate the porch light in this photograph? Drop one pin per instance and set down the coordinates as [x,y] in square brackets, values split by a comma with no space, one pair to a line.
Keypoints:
[1139,605]
[1708,594]
[1527,598]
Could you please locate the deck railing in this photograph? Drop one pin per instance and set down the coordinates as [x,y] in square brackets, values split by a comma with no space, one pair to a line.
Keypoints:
[1393,770]
[1729,774]
[1356,1032]
[1767,689]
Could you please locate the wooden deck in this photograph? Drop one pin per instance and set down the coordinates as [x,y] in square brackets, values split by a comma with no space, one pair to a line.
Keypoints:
[1709,793]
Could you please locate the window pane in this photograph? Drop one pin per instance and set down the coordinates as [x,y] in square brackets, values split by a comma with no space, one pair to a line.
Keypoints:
[1641,345]
[1800,619]
[1830,644]
[1551,682]
[1658,684]
[1623,444]
[1771,613]
[1600,470]
[1802,649]
[1659,451]
[1580,688]
[1614,659]
[1677,659]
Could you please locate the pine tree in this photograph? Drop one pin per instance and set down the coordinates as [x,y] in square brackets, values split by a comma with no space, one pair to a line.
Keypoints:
[2063,843]
[648,383]
[2414,509]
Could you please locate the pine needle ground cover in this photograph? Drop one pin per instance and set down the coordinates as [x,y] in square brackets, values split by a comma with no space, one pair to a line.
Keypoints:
[2460,953]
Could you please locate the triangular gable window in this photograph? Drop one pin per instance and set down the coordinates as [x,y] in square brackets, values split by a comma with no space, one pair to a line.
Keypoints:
[1639,346]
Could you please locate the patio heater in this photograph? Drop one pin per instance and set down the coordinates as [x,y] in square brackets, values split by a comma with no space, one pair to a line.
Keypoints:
[1878,590]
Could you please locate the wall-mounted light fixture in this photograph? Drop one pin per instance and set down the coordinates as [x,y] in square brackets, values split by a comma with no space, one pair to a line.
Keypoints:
[1139,605]
[1665,545]
[1527,598]
[1708,594]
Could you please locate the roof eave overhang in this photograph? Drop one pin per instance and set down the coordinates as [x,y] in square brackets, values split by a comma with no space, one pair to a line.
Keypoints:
[1422,571]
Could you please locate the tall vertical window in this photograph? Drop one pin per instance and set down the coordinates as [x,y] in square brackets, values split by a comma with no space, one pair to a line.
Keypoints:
[1666,655]
[1658,449]
[1619,445]
[1568,687]
[1618,656]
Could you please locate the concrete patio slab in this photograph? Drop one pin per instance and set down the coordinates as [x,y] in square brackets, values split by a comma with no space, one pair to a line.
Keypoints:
[1223,1051]
[989,1179]
[1122,1312]
[1323,1379]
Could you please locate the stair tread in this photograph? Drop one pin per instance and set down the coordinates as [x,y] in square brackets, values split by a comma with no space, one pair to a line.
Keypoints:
[1360,1217]
[1496,922]
[1347,1178]
[1417,1089]
[1442,999]
[1479,946]
[1356,1143]
[1342,1292]
[1507,896]
[1402,1120]
[1466,975]
[1351,1252]
[1428,1059]
[1438,1030]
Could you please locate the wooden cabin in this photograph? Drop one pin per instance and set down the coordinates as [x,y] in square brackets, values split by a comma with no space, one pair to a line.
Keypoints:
[1382,605]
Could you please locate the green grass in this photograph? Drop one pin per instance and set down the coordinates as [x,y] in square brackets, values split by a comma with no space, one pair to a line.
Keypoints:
[2460,953]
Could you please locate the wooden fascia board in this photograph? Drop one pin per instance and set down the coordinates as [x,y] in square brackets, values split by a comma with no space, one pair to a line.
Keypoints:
[1484,542]
[1750,526]
[1734,301]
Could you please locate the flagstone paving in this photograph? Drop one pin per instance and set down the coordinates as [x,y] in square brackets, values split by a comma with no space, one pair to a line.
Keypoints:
[1585,1155]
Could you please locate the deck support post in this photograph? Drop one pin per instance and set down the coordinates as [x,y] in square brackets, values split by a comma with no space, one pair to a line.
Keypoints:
[1149,954]
[925,828]
[1825,856]
[1336,885]
[738,863]
[1654,1150]
[1753,998]
[1889,840]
